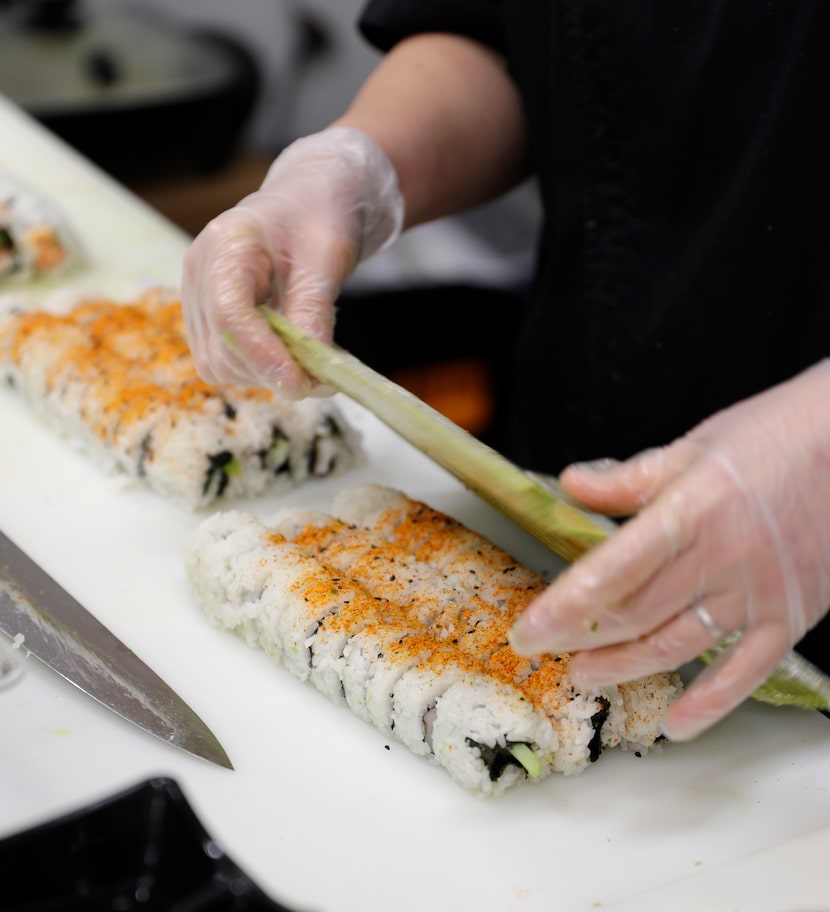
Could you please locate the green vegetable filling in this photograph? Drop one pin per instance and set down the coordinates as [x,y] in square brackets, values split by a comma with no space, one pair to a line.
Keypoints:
[529,760]
[222,466]
[513,753]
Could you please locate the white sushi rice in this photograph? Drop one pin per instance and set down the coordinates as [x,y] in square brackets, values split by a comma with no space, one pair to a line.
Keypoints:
[364,656]
[415,698]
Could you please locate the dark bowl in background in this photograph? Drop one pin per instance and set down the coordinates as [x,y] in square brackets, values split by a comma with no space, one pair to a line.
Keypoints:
[137,93]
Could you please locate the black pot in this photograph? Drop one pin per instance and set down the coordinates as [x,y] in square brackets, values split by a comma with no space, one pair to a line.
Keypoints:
[138,95]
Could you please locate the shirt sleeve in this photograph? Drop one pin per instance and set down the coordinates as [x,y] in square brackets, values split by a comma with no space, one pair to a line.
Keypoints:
[386,22]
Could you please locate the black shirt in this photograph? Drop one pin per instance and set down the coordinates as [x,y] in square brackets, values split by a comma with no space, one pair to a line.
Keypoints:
[683,156]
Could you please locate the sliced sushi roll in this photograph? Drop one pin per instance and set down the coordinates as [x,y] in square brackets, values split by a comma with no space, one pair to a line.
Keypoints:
[253,582]
[627,715]
[117,380]
[454,616]
[371,663]
[489,737]
[371,506]
[417,690]
[36,238]
[229,564]
[432,669]
[580,719]
[327,645]
[447,710]
[442,707]
[634,721]
[305,594]
[387,571]
[466,558]
[398,657]
[383,569]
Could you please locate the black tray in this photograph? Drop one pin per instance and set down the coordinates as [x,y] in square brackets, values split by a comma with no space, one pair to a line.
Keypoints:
[142,849]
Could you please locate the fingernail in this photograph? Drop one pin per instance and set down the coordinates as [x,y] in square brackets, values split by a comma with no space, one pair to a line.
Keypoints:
[586,681]
[589,675]
[688,731]
[278,379]
[595,466]
[530,635]
[672,734]
[518,640]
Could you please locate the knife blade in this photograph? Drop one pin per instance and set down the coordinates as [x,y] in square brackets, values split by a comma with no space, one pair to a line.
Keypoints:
[45,620]
[535,503]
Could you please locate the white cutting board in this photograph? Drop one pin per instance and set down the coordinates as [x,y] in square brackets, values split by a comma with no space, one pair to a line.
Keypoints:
[321,810]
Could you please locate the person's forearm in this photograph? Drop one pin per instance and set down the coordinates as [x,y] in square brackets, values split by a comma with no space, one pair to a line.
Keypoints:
[448,115]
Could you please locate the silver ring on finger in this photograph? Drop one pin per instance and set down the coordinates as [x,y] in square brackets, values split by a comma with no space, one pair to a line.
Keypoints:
[714,630]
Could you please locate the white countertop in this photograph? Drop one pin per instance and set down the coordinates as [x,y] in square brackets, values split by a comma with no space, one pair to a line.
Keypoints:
[317,811]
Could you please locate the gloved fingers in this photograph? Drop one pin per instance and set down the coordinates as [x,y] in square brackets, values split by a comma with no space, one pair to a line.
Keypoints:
[230,368]
[226,272]
[684,637]
[307,297]
[306,300]
[667,594]
[243,340]
[218,363]
[232,342]
[327,200]
[687,542]
[727,682]
[624,488]
[731,519]
[578,609]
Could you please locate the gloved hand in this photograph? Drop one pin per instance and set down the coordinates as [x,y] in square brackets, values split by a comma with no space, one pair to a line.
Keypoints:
[732,533]
[328,201]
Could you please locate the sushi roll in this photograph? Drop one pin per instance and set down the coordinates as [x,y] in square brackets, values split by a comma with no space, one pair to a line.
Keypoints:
[466,558]
[381,567]
[387,571]
[35,236]
[329,643]
[118,381]
[230,566]
[406,649]
[324,627]
[627,715]
[485,756]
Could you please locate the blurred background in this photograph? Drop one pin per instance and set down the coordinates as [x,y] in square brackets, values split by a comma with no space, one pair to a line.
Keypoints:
[187,103]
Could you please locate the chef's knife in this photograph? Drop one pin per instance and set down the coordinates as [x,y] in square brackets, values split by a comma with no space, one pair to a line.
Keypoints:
[45,621]
[535,503]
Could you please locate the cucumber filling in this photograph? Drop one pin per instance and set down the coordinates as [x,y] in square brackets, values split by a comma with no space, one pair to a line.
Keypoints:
[514,753]
[220,466]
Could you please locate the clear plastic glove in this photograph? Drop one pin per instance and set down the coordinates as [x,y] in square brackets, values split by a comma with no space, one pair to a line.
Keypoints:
[328,201]
[732,533]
